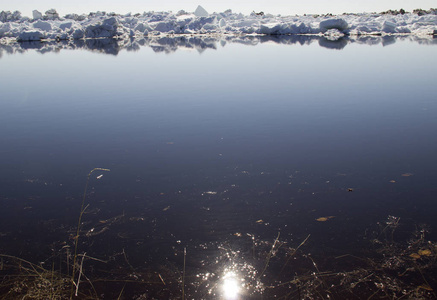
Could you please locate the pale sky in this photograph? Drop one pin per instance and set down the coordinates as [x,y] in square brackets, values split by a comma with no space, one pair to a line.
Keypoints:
[283,7]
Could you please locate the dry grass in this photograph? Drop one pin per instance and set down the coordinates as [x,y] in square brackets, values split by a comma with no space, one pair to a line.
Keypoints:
[26,280]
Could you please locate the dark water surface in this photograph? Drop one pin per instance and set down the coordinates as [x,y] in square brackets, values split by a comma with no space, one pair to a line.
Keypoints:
[228,153]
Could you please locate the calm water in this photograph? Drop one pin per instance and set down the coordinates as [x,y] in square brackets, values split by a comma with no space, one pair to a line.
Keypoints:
[216,148]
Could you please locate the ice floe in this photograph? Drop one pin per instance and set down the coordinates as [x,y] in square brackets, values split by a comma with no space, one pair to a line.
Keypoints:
[50,26]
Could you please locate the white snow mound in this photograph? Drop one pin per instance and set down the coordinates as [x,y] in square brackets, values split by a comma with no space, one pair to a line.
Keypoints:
[103,25]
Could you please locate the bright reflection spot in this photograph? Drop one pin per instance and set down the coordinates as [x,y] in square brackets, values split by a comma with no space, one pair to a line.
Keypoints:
[231,286]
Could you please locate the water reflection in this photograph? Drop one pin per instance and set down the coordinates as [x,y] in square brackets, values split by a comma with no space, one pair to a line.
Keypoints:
[171,44]
[333,44]
[231,286]
[221,170]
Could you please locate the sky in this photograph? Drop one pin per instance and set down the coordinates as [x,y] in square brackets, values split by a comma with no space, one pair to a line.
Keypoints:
[283,7]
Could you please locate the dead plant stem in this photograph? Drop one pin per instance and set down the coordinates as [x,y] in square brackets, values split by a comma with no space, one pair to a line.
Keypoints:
[76,238]
[183,275]
[80,273]
[270,255]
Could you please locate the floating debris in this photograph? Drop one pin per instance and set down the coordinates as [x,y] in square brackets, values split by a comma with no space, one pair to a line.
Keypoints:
[160,277]
[167,208]
[93,232]
[324,219]
[407,174]
[392,181]
[425,252]
[425,287]
[209,193]
[100,176]
[420,253]
[260,221]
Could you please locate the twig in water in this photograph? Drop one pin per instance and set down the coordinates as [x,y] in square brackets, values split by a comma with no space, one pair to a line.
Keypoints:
[183,276]
[371,296]
[121,293]
[80,273]
[127,261]
[68,261]
[160,277]
[93,258]
[318,272]
[20,260]
[90,283]
[294,252]
[426,281]
[76,242]
[253,246]
[269,256]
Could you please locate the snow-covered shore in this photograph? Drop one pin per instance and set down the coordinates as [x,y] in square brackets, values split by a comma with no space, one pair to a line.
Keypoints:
[50,26]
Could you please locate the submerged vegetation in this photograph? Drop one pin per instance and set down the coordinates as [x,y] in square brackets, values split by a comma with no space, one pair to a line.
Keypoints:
[390,265]
[392,269]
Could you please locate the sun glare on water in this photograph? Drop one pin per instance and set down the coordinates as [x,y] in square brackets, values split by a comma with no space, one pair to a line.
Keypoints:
[231,286]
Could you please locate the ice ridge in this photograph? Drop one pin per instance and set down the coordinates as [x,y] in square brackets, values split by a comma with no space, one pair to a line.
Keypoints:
[50,26]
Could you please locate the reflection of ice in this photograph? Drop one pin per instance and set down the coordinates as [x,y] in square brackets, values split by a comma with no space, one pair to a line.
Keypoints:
[231,286]
[203,43]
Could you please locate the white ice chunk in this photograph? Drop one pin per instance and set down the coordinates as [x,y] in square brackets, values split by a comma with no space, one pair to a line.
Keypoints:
[339,24]
[78,34]
[107,28]
[76,17]
[66,25]
[209,27]
[101,25]
[389,27]
[200,12]
[43,25]
[30,36]
[143,27]
[36,15]
[275,28]
[247,23]
[270,28]
[184,20]
[7,16]
[164,27]
[5,28]
[51,14]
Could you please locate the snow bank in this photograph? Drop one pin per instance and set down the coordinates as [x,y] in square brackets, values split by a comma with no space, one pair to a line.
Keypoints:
[102,25]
